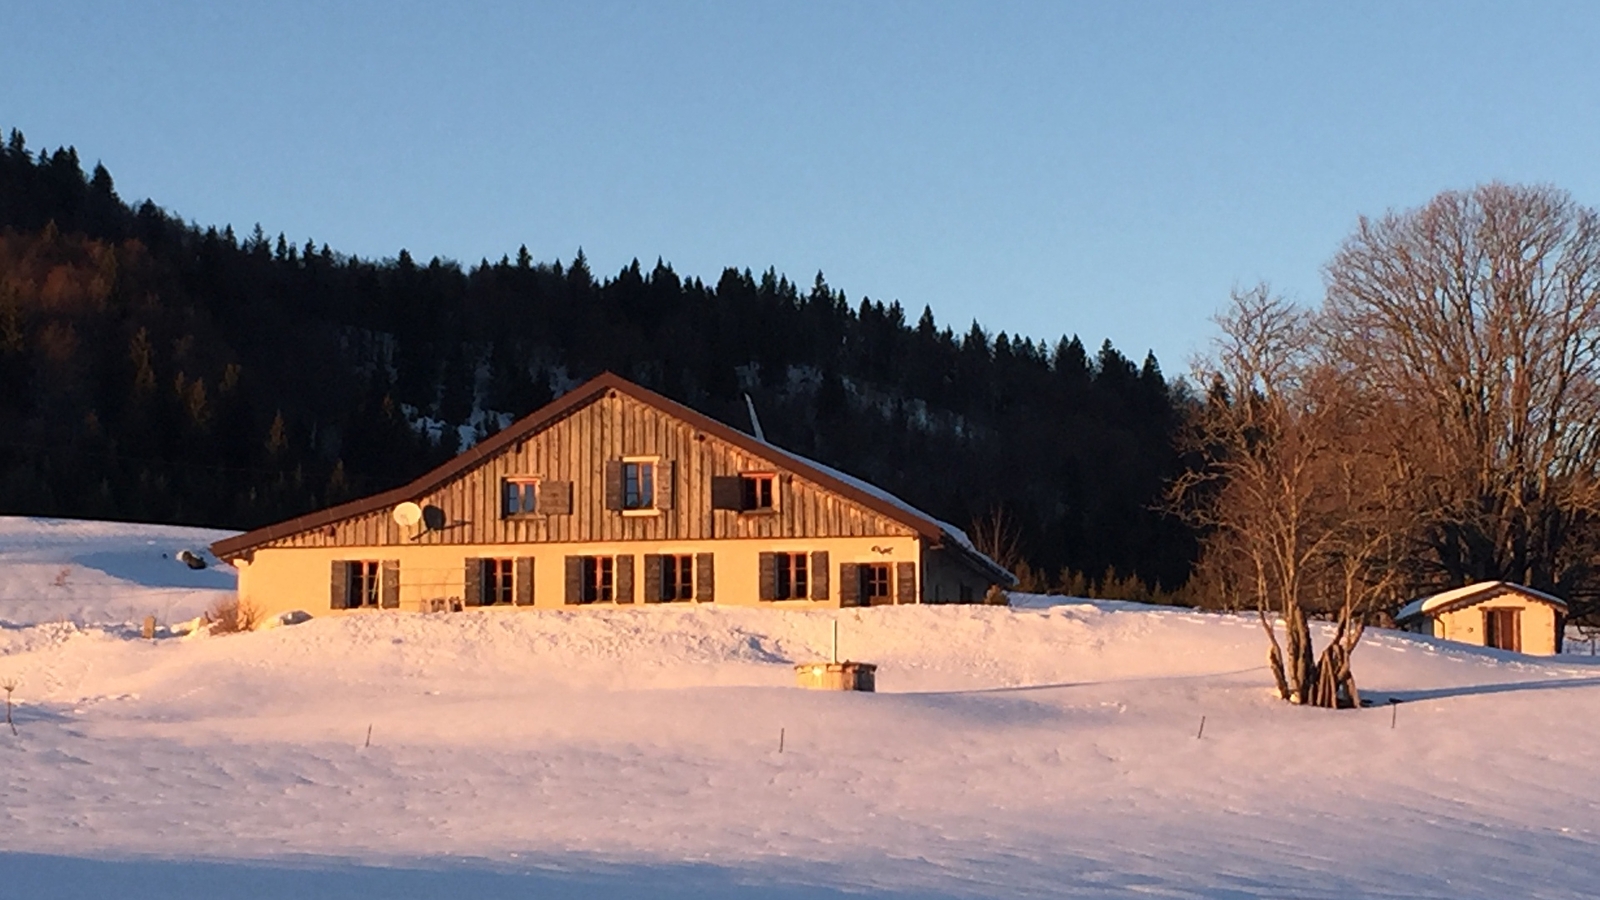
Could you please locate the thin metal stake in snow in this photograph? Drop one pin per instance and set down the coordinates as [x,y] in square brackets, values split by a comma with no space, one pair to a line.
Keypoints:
[369,737]
[1394,712]
[835,640]
[9,685]
[1202,732]
[780,740]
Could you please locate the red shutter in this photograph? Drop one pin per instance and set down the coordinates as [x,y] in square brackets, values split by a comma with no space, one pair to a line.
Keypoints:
[389,588]
[905,582]
[555,498]
[849,584]
[524,585]
[614,485]
[340,598]
[666,485]
[574,579]
[472,583]
[624,583]
[652,578]
[819,575]
[769,576]
[705,579]
[727,492]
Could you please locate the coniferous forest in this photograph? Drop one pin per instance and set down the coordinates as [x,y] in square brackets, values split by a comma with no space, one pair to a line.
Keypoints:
[157,370]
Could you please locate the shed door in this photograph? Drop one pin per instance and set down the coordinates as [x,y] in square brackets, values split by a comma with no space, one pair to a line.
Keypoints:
[1502,629]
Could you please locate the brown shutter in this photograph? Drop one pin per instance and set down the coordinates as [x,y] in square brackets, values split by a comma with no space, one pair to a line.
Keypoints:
[905,582]
[624,578]
[574,579]
[1516,630]
[666,485]
[340,598]
[769,576]
[524,585]
[614,484]
[849,584]
[389,587]
[555,498]
[727,492]
[472,585]
[652,577]
[819,575]
[705,578]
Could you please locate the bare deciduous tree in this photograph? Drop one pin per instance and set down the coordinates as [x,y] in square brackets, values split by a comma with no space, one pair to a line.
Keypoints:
[997,536]
[1479,316]
[1292,497]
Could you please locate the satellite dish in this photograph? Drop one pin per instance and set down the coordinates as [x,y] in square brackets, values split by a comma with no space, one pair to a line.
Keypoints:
[407,515]
[433,518]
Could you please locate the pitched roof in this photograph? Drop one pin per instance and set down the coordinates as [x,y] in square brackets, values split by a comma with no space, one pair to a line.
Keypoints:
[861,492]
[1467,595]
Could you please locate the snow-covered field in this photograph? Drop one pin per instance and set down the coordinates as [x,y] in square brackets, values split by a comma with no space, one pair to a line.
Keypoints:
[1045,751]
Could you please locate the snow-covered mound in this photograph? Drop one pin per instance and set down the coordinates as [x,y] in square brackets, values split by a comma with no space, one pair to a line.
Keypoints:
[1044,751]
[54,570]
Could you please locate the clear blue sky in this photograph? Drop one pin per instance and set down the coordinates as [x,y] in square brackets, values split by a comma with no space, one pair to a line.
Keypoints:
[1106,169]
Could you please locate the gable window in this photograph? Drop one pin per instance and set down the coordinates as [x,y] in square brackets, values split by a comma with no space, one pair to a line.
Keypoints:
[519,496]
[638,484]
[756,491]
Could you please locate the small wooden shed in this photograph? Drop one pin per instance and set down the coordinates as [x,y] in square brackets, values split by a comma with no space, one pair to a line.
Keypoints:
[1490,614]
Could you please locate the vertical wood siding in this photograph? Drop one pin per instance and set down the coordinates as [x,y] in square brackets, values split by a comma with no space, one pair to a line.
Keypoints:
[576,449]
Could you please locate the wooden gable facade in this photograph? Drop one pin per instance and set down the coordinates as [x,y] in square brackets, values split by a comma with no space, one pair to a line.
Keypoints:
[527,511]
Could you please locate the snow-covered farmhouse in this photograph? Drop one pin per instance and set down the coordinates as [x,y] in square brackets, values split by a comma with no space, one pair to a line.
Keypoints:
[1492,614]
[613,494]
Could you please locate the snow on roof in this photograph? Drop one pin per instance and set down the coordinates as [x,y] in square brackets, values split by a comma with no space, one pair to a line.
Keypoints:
[866,487]
[1432,602]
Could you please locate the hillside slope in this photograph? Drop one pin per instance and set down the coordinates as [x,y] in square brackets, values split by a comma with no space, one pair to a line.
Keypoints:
[1043,751]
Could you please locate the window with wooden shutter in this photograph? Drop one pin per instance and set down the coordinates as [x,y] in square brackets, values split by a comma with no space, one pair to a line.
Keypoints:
[625,578]
[639,492]
[340,598]
[705,580]
[769,576]
[905,582]
[614,485]
[677,577]
[574,580]
[362,584]
[875,584]
[391,584]
[472,582]
[819,575]
[524,581]
[555,498]
[727,492]
[793,576]
[849,584]
[519,496]
[758,492]
[653,592]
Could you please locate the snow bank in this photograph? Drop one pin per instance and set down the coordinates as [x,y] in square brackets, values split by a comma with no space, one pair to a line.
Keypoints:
[1042,751]
[82,571]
